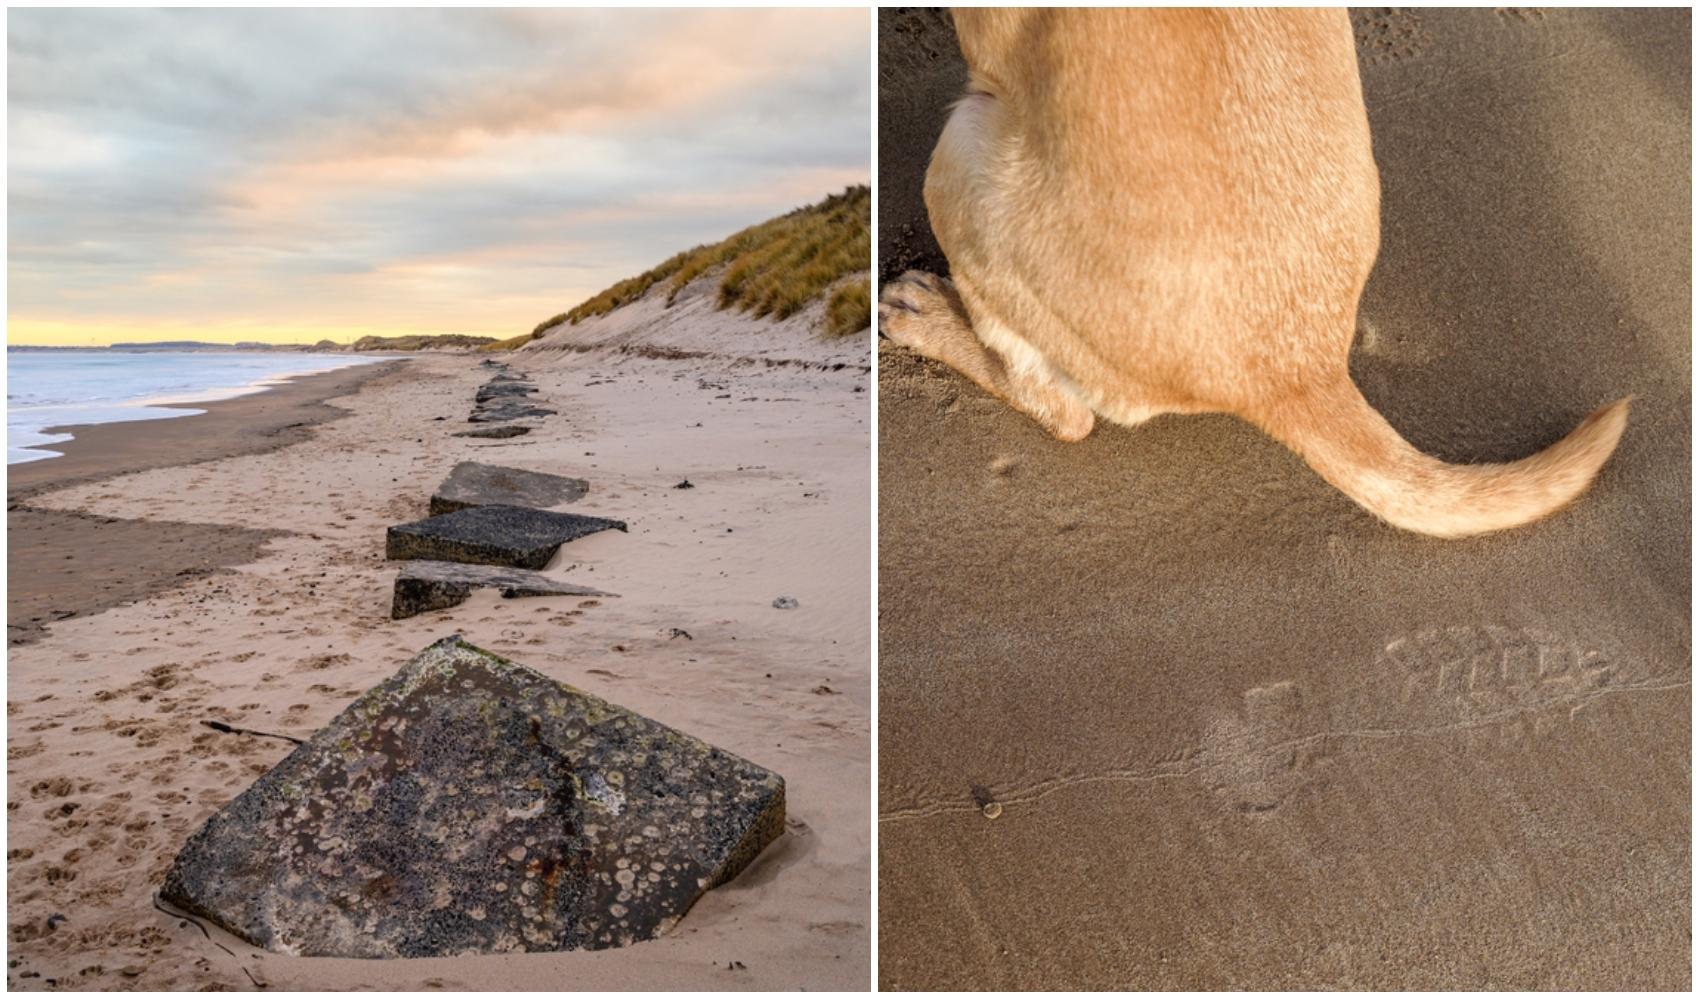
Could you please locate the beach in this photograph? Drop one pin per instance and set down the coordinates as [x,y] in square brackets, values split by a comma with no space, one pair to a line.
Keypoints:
[1163,710]
[230,567]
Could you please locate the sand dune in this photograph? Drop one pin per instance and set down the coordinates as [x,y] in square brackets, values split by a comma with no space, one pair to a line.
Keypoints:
[692,326]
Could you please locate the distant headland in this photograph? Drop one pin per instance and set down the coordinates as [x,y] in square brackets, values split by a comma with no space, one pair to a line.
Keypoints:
[421,342]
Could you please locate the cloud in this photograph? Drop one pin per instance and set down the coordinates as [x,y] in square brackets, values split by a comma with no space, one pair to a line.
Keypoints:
[209,167]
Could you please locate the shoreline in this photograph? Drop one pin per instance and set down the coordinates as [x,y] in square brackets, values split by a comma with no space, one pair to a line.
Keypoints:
[145,407]
[250,423]
[66,564]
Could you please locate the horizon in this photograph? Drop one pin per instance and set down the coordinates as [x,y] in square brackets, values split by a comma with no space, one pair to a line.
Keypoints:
[197,179]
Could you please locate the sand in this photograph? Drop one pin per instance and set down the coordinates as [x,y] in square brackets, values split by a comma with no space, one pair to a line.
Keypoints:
[110,769]
[1243,735]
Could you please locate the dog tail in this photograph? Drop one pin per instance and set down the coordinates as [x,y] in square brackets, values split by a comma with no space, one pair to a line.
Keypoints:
[1349,444]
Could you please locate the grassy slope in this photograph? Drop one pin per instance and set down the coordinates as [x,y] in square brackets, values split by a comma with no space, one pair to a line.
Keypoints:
[418,342]
[775,268]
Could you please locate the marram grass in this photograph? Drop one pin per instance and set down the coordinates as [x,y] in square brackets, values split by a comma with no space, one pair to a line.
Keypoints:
[775,268]
[847,310]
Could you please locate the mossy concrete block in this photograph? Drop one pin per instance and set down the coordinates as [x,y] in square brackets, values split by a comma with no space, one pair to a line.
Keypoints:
[474,484]
[492,535]
[470,805]
[432,586]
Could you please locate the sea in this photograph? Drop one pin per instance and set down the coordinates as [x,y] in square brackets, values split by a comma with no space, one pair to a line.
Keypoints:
[49,389]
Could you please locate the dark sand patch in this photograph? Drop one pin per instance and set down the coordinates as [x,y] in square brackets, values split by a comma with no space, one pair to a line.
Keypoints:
[62,564]
[1239,734]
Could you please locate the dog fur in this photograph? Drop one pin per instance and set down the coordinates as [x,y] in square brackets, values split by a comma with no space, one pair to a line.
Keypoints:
[1175,211]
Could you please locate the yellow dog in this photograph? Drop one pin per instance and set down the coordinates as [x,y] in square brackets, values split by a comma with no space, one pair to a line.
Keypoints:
[1167,211]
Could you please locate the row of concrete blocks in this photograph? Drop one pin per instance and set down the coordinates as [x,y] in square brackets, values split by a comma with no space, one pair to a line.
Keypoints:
[488,526]
[421,821]
[501,401]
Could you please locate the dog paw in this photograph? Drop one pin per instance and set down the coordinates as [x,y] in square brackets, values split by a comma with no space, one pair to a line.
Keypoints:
[908,304]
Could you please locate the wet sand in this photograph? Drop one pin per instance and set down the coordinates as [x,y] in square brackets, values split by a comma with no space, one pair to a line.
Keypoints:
[279,416]
[1243,735]
[110,769]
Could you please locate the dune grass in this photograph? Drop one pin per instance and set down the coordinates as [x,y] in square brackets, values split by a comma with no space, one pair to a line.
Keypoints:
[514,343]
[420,342]
[847,310]
[774,268]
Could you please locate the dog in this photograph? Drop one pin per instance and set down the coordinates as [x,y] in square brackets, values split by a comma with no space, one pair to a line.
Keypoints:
[1171,211]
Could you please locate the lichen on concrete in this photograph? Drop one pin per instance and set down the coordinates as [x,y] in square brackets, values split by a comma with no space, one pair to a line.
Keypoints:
[471,805]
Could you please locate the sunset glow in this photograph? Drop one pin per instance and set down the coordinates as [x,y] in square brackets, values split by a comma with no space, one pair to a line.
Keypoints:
[292,176]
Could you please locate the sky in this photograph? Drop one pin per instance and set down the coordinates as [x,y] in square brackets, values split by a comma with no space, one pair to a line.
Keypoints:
[293,175]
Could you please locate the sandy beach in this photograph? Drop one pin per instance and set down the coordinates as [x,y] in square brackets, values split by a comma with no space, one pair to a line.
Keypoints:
[1240,734]
[231,567]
